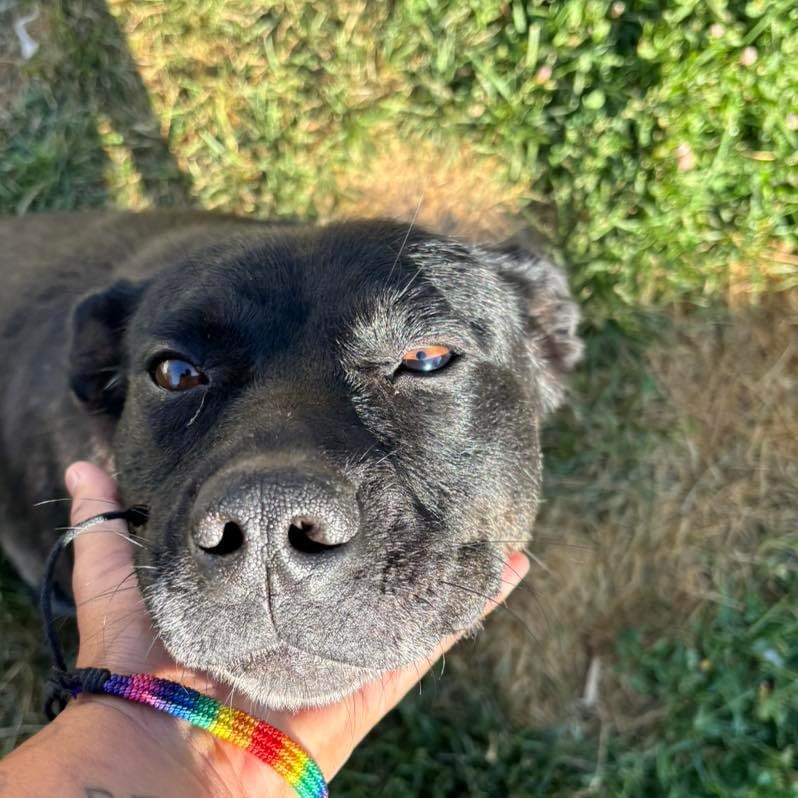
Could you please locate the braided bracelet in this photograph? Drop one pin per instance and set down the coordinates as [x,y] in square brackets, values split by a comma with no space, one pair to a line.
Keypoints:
[266,742]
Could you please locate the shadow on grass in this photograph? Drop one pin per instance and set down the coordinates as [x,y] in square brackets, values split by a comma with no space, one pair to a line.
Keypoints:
[81,93]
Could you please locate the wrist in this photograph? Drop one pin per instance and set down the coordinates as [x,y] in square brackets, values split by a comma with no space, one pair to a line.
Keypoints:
[142,751]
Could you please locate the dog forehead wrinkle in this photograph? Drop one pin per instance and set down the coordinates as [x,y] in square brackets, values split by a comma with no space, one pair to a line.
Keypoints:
[468,282]
[387,323]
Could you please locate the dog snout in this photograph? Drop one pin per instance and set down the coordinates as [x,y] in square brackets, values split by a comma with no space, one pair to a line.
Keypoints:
[293,521]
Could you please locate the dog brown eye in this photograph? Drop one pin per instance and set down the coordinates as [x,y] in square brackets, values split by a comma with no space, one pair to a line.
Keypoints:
[177,375]
[428,358]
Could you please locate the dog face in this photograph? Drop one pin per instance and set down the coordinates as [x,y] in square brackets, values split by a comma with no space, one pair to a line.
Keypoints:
[335,431]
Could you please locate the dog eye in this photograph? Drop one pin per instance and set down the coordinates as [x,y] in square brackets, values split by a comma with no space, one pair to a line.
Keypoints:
[177,375]
[430,358]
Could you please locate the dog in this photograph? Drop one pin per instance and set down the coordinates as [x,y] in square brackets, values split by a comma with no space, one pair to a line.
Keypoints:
[334,429]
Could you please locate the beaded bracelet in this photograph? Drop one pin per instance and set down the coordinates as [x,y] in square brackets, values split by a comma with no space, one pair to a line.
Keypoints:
[266,742]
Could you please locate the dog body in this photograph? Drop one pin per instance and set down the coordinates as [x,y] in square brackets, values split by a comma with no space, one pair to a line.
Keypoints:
[334,429]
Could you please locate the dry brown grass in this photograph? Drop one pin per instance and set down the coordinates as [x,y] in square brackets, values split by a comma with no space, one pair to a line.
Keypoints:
[453,190]
[776,269]
[643,544]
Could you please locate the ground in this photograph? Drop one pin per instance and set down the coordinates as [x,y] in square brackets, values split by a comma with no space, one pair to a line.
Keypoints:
[651,147]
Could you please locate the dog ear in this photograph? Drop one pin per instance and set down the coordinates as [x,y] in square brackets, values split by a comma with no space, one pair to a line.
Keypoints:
[550,314]
[97,355]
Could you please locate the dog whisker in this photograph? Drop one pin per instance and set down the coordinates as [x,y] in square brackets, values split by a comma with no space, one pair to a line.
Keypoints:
[406,238]
[45,502]
[116,620]
[156,637]
[110,592]
[498,604]
[128,538]
[551,541]
[106,627]
[98,529]
[523,542]
[386,456]
[410,283]
[535,559]
[199,409]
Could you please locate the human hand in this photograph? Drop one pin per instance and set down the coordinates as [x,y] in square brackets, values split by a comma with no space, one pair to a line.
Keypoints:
[116,633]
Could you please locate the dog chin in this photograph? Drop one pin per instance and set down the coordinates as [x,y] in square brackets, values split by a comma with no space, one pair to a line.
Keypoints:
[291,679]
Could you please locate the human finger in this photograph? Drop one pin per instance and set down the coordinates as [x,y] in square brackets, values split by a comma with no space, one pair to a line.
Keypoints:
[103,553]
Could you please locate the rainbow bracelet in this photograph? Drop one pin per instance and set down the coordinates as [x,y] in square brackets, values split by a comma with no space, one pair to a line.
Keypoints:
[266,742]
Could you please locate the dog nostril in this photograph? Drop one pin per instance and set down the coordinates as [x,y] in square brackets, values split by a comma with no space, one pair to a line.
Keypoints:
[306,536]
[231,541]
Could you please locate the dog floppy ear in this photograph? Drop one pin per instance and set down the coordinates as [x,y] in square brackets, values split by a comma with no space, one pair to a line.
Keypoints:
[97,355]
[550,314]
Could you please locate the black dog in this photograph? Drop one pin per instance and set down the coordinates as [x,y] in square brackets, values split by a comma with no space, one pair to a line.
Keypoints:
[335,429]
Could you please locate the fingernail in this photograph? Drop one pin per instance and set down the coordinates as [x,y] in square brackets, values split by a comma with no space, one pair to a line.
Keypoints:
[517,568]
[72,478]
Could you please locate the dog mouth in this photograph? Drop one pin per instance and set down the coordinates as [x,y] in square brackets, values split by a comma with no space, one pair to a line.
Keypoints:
[291,679]
[281,675]
[285,653]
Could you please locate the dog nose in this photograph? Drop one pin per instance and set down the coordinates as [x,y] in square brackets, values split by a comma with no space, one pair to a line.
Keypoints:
[296,522]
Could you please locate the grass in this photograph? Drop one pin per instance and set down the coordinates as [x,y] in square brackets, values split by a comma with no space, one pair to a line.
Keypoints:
[658,131]
[725,720]
[651,143]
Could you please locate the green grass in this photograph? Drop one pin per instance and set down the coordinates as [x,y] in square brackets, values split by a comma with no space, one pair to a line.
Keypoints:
[593,105]
[655,146]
